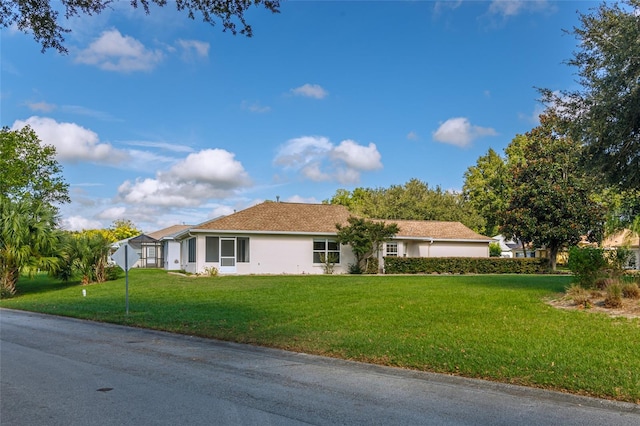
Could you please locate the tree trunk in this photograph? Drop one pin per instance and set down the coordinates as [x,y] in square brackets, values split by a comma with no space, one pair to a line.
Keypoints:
[8,281]
[553,256]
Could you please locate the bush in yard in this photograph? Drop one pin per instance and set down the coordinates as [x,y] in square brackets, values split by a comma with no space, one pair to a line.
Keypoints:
[586,264]
[495,250]
[580,296]
[631,291]
[613,299]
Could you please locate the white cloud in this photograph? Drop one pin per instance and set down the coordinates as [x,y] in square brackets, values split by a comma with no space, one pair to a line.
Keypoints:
[114,52]
[358,157]
[508,8]
[317,159]
[413,136]
[200,48]
[202,176]
[311,91]
[73,143]
[459,131]
[79,223]
[300,199]
[301,151]
[113,213]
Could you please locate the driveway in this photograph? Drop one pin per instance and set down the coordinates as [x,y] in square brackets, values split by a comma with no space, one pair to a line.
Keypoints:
[61,371]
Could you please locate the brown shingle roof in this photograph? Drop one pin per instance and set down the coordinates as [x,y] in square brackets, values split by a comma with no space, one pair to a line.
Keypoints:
[168,231]
[282,217]
[436,229]
[322,218]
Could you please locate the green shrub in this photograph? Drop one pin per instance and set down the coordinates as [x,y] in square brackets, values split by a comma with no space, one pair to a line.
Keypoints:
[112,272]
[586,264]
[355,269]
[613,299]
[495,250]
[464,265]
[372,266]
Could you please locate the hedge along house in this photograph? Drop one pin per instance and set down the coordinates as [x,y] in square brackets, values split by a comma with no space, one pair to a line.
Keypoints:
[292,238]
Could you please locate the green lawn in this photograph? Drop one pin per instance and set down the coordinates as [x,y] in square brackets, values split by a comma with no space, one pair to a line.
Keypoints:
[493,327]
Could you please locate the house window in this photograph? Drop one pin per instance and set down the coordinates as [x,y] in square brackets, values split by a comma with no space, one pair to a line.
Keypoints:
[392,249]
[212,249]
[326,249]
[242,249]
[191,244]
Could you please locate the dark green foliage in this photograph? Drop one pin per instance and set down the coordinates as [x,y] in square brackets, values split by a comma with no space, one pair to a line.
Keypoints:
[552,200]
[30,169]
[464,265]
[41,17]
[365,237]
[112,272]
[486,189]
[414,200]
[586,264]
[604,113]
[27,240]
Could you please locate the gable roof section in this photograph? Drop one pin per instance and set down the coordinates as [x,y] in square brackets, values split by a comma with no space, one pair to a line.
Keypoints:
[282,217]
[170,231]
[435,229]
[279,217]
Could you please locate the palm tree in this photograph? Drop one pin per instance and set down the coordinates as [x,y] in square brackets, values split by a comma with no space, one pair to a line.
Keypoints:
[27,240]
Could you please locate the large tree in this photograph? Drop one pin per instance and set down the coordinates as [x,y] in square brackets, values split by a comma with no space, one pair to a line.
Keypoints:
[29,168]
[605,112]
[42,17]
[485,187]
[551,201]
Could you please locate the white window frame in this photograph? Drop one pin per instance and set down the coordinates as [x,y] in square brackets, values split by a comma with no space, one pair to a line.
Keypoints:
[324,252]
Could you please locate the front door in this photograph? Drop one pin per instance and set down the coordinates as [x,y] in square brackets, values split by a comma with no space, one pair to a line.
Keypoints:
[227,255]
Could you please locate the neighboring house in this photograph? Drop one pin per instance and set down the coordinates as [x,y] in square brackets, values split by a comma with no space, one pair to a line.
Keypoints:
[292,238]
[629,240]
[169,247]
[513,248]
[157,249]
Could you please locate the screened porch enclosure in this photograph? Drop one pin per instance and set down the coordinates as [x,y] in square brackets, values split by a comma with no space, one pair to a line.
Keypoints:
[149,250]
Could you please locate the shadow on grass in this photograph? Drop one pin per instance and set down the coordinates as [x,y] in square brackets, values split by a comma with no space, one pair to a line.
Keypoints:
[41,283]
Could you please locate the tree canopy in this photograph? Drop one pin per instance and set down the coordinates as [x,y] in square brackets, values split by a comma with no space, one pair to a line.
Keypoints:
[28,168]
[414,200]
[365,237]
[551,201]
[485,187]
[42,17]
[604,113]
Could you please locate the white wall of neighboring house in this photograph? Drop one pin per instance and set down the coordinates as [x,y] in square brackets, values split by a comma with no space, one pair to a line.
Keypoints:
[171,255]
[443,249]
[270,254]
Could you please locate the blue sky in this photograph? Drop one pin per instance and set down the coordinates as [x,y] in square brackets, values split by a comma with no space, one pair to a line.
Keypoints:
[164,120]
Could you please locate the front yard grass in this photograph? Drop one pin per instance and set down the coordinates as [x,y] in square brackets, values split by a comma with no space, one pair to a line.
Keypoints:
[495,327]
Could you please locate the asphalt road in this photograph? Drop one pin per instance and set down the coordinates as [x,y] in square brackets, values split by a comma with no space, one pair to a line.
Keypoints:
[60,371]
